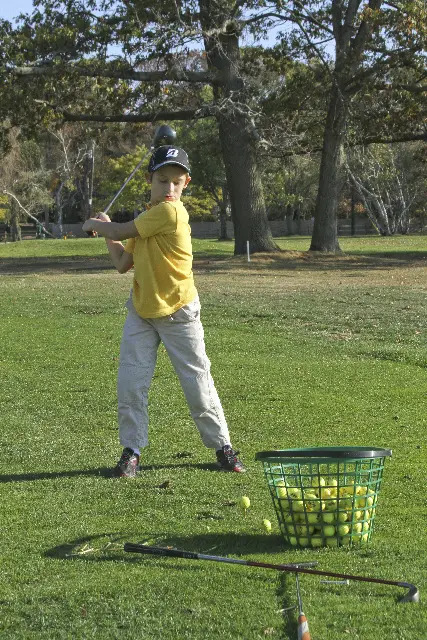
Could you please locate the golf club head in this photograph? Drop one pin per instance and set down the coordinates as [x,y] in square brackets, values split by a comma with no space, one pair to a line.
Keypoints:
[164,135]
[413,594]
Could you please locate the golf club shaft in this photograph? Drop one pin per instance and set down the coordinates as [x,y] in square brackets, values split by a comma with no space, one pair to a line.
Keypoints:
[191,555]
[163,135]
[130,176]
[303,631]
[411,596]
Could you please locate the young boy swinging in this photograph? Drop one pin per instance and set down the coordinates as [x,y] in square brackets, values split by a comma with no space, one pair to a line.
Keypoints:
[163,307]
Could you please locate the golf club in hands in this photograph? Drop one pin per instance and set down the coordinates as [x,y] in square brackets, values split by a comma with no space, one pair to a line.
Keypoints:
[302,567]
[163,135]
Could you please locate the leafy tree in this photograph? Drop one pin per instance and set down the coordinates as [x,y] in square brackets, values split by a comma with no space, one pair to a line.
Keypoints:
[114,172]
[63,55]
[208,172]
[374,42]
[290,186]
[61,52]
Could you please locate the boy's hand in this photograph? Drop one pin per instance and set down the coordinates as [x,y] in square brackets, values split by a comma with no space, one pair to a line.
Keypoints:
[88,225]
[104,217]
[89,228]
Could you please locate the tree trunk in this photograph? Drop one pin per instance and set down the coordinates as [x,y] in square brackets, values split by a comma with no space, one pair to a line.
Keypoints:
[46,216]
[236,131]
[59,212]
[15,227]
[325,237]
[87,182]
[248,210]
[353,210]
[223,235]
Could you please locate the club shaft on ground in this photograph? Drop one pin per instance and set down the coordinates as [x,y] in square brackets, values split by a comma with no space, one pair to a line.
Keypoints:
[303,630]
[412,595]
[192,555]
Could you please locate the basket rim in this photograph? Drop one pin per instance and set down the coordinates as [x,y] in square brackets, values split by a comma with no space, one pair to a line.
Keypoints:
[325,452]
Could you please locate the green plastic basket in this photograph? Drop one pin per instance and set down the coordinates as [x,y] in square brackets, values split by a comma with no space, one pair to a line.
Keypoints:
[325,496]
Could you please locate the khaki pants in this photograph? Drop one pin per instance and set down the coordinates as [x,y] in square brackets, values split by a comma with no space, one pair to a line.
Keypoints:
[183,337]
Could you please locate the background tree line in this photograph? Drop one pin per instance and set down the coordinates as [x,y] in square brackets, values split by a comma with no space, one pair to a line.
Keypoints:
[265,117]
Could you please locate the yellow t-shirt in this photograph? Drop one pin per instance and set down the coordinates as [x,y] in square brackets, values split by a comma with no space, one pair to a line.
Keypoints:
[163,258]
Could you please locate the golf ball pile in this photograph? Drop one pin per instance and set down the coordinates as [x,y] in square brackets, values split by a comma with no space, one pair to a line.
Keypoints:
[325,512]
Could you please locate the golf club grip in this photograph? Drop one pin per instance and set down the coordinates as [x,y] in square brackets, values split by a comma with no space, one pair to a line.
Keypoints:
[303,632]
[159,551]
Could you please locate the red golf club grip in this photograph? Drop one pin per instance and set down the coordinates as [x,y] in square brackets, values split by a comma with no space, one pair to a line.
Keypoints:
[303,632]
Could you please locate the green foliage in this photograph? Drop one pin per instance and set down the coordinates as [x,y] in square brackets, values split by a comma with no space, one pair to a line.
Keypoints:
[291,183]
[201,141]
[114,173]
[3,207]
[200,205]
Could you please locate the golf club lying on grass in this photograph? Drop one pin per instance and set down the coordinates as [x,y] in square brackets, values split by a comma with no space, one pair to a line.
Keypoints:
[303,631]
[192,555]
[302,567]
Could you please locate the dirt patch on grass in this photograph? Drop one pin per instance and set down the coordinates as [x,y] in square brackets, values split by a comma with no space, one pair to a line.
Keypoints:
[281,269]
[320,269]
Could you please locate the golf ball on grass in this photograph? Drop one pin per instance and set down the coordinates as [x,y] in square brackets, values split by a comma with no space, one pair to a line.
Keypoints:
[267,525]
[244,503]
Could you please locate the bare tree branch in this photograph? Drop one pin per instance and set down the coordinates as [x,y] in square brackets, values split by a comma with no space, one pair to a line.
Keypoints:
[294,16]
[403,137]
[172,74]
[364,31]
[411,88]
[185,114]
[30,215]
[389,58]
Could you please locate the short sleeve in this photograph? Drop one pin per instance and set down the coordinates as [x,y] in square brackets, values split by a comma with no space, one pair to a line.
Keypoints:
[130,245]
[161,218]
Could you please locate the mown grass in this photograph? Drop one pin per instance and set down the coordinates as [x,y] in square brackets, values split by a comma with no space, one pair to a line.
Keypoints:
[305,351]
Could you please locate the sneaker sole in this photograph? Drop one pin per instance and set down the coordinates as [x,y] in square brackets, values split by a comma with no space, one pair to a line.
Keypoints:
[231,470]
[119,474]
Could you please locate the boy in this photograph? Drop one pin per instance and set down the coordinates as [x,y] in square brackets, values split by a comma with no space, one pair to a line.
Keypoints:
[164,307]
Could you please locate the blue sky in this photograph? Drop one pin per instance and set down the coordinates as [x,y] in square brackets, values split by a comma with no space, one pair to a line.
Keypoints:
[9,9]
[12,8]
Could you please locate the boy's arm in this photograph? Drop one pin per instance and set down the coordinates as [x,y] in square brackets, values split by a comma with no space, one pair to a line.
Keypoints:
[122,260]
[112,230]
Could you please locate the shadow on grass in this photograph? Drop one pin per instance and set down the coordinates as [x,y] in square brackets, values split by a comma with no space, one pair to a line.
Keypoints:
[104,472]
[286,595]
[109,546]
[209,262]
[17,266]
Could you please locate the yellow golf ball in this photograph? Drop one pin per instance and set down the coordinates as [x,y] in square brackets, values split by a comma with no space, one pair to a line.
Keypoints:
[267,525]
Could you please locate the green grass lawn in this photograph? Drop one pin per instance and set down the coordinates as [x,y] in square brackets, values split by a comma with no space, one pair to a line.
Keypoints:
[305,351]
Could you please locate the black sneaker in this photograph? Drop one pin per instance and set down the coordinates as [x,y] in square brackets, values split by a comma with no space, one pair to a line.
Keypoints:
[128,465]
[228,460]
